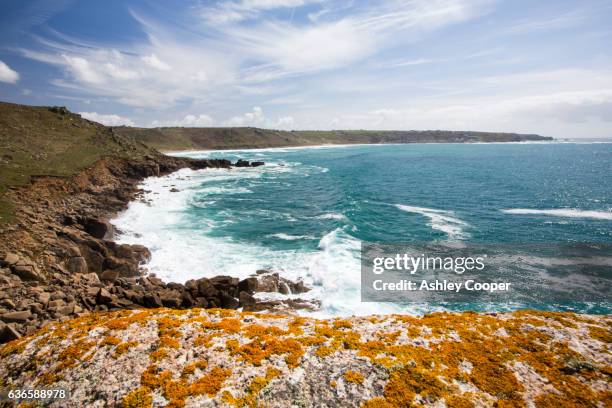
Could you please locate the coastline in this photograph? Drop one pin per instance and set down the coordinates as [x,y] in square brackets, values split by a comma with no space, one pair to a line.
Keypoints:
[326,146]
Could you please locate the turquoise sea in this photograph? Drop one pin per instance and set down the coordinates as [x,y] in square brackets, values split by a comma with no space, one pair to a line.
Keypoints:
[305,213]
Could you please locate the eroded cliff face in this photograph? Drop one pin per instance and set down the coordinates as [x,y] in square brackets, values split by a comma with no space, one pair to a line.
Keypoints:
[219,357]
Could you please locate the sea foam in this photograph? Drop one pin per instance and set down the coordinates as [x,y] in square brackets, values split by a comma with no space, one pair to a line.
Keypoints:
[441,220]
[563,212]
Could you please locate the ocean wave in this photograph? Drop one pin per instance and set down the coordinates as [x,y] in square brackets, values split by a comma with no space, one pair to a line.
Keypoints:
[287,237]
[441,220]
[562,212]
[331,216]
[224,190]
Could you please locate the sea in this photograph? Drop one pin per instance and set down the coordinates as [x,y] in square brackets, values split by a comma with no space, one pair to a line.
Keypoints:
[306,213]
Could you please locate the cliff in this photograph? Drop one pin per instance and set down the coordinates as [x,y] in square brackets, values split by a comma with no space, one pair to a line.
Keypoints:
[218,357]
[178,138]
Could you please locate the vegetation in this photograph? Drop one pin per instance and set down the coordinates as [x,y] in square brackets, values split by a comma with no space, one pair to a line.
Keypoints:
[177,138]
[52,141]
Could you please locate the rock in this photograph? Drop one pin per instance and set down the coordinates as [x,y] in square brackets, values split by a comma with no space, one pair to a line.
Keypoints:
[16,317]
[257,163]
[246,299]
[66,310]
[91,278]
[98,228]
[104,296]
[8,303]
[171,299]
[248,285]
[54,304]
[8,333]
[109,275]
[10,259]
[174,190]
[283,288]
[43,298]
[206,288]
[242,163]
[228,302]
[77,264]
[27,270]
[152,300]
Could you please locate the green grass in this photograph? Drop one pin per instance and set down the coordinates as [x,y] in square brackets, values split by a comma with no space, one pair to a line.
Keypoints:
[244,138]
[54,142]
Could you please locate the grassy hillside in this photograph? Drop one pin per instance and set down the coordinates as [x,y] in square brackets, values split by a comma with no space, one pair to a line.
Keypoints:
[52,141]
[177,138]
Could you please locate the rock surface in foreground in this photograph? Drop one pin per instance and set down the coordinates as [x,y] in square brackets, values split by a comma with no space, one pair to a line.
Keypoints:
[162,357]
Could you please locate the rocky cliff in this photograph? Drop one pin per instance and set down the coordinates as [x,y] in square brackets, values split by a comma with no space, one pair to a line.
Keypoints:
[218,357]
[62,178]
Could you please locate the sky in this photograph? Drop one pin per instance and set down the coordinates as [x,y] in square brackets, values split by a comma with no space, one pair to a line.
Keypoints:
[517,66]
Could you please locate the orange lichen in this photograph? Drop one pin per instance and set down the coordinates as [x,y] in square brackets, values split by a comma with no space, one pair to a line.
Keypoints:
[139,398]
[210,383]
[422,359]
[124,347]
[378,402]
[167,341]
[110,341]
[354,377]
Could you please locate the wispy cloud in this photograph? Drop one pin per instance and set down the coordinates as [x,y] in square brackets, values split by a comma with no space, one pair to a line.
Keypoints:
[235,11]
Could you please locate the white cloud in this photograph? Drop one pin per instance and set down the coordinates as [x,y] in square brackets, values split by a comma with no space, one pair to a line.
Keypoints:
[139,77]
[285,49]
[256,118]
[108,120]
[253,118]
[235,11]
[26,91]
[82,70]
[201,120]
[155,62]
[7,74]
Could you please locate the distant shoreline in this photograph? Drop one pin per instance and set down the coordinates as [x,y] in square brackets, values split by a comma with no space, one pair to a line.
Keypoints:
[326,146]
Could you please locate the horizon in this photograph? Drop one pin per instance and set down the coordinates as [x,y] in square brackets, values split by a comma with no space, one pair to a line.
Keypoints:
[397,65]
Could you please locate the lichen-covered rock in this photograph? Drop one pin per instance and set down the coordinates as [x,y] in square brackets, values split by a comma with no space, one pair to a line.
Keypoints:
[196,357]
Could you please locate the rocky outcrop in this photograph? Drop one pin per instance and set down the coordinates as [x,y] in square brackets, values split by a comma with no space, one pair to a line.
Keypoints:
[219,357]
[58,260]
[246,163]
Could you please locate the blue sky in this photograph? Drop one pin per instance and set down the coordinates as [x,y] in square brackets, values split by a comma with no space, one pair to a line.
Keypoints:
[526,66]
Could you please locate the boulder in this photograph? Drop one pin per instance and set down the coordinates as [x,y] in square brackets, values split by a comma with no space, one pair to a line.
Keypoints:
[77,264]
[109,275]
[54,304]
[98,228]
[43,298]
[246,299]
[257,163]
[10,259]
[8,333]
[171,298]
[242,163]
[16,317]
[152,300]
[104,296]
[206,288]
[27,270]
[248,285]
[228,302]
